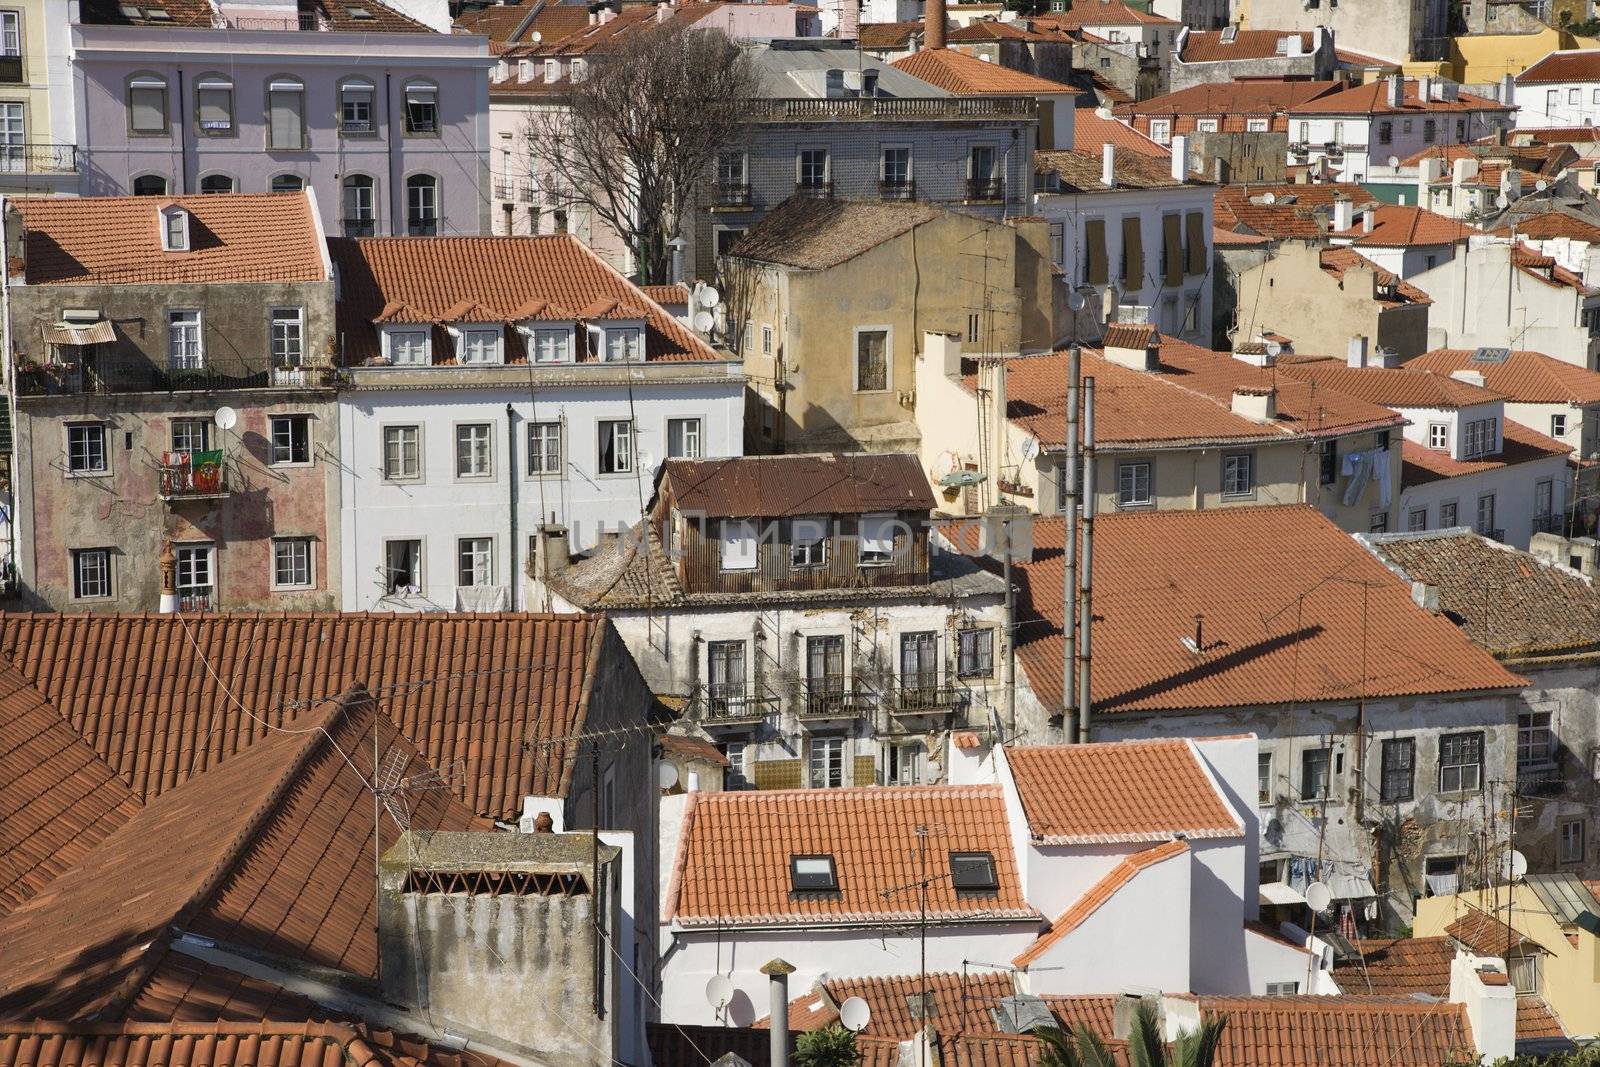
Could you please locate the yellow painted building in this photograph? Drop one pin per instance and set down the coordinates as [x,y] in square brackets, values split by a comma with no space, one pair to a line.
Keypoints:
[37,150]
[1480,59]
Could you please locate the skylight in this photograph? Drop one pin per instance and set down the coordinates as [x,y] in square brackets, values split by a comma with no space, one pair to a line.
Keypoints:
[813,874]
[973,872]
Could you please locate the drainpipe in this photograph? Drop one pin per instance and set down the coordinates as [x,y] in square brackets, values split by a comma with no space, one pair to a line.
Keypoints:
[1011,637]
[1086,567]
[1069,587]
[512,577]
[183,138]
[169,580]
[778,972]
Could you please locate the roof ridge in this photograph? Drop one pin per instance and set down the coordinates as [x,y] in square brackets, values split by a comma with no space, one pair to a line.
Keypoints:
[972,789]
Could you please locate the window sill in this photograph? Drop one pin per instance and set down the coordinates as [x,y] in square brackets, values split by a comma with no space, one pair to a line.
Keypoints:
[290,464]
[401,481]
[294,588]
[1239,496]
[88,474]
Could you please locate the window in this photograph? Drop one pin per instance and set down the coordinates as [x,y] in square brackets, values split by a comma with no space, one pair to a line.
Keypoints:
[624,344]
[1442,875]
[544,448]
[402,566]
[683,438]
[475,561]
[150,185]
[981,163]
[1385,132]
[616,447]
[422,108]
[194,576]
[766,339]
[895,167]
[1558,426]
[1572,842]
[808,542]
[11,33]
[735,777]
[1256,125]
[876,546]
[355,106]
[184,349]
[1429,130]
[731,170]
[1460,762]
[725,669]
[1486,515]
[727,237]
[1327,462]
[407,347]
[214,105]
[1417,519]
[902,762]
[291,563]
[287,183]
[1399,762]
[812,167]
[174,229]
[973,872]
[919,661]
[291,439]
[1378,522]
[147,104]
[552,70]
[1161,131]
[1236,474]
[1535,740]
[738,541]
[975,652]
[286,110]
[86,448]
[748,336]
[1205,126]
[1133,485]
[402,453]
[974,326]
[1439,436]
[1483,437]
[287,332]
[872,361]
[1264,789]
[360,206]
[1316,766]
[1574,96]
[480,346]
[552,345]
[813,874]
[422,205]
[1447,515]
[1282,989]
[91,573]
[827,762]
[473,451]
[1461,129]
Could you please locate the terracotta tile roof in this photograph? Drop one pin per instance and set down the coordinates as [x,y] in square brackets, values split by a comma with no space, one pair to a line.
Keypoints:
[432,275]
[1081,171]
[1535,264]
[1360,59]
[331,15]
[1249,97]
[1388,289]
[1245,569]
[693,748]
[667,294]
[1524,377]
[1530,159]
[1552,225]
[1394,387]
[1573,65]
[1511,603]
[221,1044]
[1091,133]
[815,234]
[1101,13]
[241,237]
[966,75]
[498,22]
[58,799]
[733,860]
[982,30]
[1187,400]
[1123,791]
[1096,896]
[960,1003]
[1398,967]
[827,483]
[1294,210]
[134,688]
[1536,1020]
[1209,46]
[1560,134]
[1395,225]
[1241,240]
[1372,99]
[1420,465]
[271,852]
[1487,935]
[1308,1031]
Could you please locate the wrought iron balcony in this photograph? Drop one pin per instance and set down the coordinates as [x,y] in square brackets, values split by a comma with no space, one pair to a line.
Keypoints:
[829,699]
[814,190]
[986,189]
[503,188]
[86,372]
[925,696]
[897,189]
[879,108]
[731,194]
[732,703]
[39,158]
[11,70]
[193,476]
[196,600]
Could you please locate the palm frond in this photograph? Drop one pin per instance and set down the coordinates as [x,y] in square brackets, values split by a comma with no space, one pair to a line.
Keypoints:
[1146,1047]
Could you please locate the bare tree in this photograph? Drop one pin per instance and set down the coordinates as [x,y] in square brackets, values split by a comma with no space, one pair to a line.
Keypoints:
[643,130]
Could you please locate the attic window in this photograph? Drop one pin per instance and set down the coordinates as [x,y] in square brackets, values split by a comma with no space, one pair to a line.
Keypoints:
[157,14]
[813,874]
[357,12]
[174,229]
[973,872]
[130,12]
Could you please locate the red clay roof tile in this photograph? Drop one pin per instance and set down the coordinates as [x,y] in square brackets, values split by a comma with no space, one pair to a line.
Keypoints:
[1524,377]
[1211,46]
[1571,65]
[1309,1031]
[965,75]
[826,483]
[1420,465]
[1396,225]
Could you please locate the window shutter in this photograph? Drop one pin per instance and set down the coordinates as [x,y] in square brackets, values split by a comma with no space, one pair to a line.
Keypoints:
[1095,236]
[284,108]
[1195,223]
[1133,251]
[149,108]
[1172,248]
[215,108]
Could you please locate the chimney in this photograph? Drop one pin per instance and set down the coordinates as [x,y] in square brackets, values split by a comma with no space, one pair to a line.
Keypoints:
[1180,158]
[1479,985]
[1387,358]
[1108,165]
[1425,596]
[555,553]
[1257,405]
[778,972]
[169,580]
[1132,346]
[1342,211]
[1367,219]
[1425,88]
[849,28]
[1471,377]
[1356,355]
[1511,183]
[1508,91]
[1394,90]
[933,18]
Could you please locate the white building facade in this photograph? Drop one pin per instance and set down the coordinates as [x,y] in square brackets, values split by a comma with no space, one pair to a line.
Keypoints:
[1562,89]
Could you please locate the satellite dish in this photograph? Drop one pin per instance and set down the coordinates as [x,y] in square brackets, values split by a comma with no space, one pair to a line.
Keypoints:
[703,321]
[1393,161]
[1269,198]
[666,775]
[1318,896]
[855,1014]
[1541,185]
[1502,200]
[225,418]
[536,37]
[1513,865]
[1028,449]
[719,991]
[1075,300]
[709,297]
[649,460]
[1274,348]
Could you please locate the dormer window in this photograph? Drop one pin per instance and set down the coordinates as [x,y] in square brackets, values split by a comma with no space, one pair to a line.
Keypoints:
[479,344]
[973,872]
[174,229]
[525,70]
[813,874]
[409,346]
[551,344]
[622,343]
[1483,438]
[552,70]
[580,70]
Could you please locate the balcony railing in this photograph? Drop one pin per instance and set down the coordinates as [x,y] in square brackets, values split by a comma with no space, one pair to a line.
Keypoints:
[193,600]
[735,703]
[814,189]
[1549,523]
[10,70]
[897,189]
[39,158]
[829,699]
[503,188]
[305,20]
[360,227]
[731,194]
[925,696]
[986,189]
[98,375]
[193,476]
[878,108]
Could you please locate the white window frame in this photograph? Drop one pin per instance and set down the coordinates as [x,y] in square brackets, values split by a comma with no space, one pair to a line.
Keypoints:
[693,433]
[825,760]
[1568,854]
[559,340]
[393,334]
[981,640]
[214,85]
[485,441]
[1249,460]
[738,545]
[1135,500]
[105,584]
[103,432]
[190,435]
[11,33]
[1462,771]
[1439,436]
[187,556]
[179,325]
[480,345]
[1161,131]
[875,539]
[1558,425]
[622,342]
[140,86]
[1257,125]
[477,553]
[622,439]
[426,94]
[291,544]
[383,458]
[540,433]
[286,334]
[291,419]
[357,93]
[422,562]
[808,541]
[174,229]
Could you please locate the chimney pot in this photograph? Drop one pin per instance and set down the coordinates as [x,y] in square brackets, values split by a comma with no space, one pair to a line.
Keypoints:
[1367,218]
[543,823]
[1180,158]
[1108,165]
[933,16]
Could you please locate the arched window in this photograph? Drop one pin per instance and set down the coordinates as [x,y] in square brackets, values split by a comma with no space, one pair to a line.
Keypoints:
[147,103]
[287,183]
[360,206]
[150,185]
[422,205]
[218,183]
[286,113]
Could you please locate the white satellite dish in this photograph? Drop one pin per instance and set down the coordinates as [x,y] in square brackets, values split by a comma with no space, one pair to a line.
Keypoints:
[703,321]
[1274,348]
[1318,897]
[1075,300]
[1541,185]
[536,37]
[855,1014]
[719,991]
[1502,200]
[709,297]
[1269,198]
[225,418]
[1513,865]
[666,775]
[1393,161]
[1028,449]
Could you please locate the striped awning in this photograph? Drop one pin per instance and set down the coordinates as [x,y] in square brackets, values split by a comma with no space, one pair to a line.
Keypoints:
[93,333]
